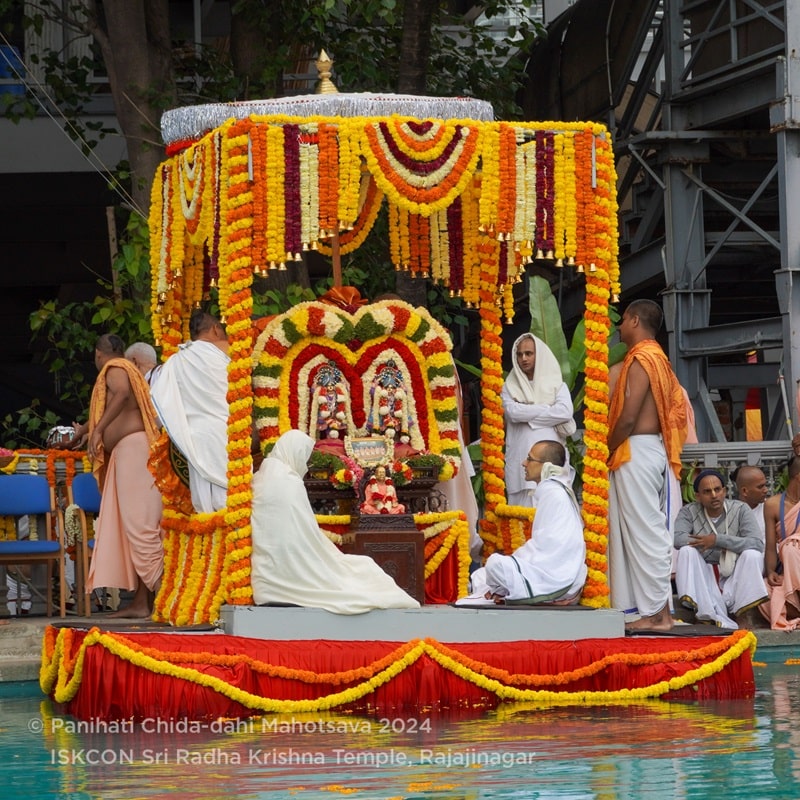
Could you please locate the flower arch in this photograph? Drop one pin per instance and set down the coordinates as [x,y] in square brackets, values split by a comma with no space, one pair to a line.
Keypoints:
[470,202]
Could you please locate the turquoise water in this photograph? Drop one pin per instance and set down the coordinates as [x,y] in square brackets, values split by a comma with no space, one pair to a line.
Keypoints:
[743,749]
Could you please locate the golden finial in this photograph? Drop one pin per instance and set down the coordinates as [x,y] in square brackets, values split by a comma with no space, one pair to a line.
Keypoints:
[324,63]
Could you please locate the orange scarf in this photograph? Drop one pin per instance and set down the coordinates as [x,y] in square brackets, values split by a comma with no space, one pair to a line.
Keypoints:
[141,392]
[668,397]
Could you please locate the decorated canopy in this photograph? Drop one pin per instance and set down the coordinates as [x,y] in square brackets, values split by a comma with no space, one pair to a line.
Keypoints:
[248,187]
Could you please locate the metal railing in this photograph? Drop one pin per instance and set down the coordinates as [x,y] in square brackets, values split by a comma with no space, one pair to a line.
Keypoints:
[770,456]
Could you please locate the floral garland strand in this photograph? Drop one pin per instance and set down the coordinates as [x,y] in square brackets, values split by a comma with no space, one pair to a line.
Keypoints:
[236,278]
[61,672]
[595,469]
[560,198]
[492,428]
[418,185]
[368,210]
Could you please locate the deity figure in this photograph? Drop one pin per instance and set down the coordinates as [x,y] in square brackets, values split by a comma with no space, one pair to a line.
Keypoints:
[331,402]
[380,496]
[389,413]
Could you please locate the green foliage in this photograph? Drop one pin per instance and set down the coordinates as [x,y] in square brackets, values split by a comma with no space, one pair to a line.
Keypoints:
[321,461]
[476,456]
[28,427]
[69,331]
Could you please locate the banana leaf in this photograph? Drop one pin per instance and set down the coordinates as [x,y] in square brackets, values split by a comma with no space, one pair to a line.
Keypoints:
[546,321]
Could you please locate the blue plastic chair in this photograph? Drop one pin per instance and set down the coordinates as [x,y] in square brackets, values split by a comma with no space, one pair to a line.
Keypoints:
[85,494]
[21,495]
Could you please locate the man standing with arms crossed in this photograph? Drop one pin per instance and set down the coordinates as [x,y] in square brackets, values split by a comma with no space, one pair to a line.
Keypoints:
[647,429]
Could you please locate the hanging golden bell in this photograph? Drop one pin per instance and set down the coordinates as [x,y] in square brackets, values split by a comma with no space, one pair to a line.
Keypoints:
[549,255]
[282,266]
[571,261]
[615,298]
[581,268]
[178,272]
[592,267]
[559,262]
[539,254]
[213,283]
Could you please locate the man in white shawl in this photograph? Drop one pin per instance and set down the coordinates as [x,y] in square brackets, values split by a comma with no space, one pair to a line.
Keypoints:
[537,406]
[293,561]
[191,399]
[550,568]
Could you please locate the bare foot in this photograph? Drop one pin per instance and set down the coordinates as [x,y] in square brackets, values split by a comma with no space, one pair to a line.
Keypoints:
[750,620]
[661,621]
[131,612]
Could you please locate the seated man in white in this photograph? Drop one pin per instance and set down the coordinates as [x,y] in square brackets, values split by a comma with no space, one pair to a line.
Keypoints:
[710,533]
[293,562]
[550,568]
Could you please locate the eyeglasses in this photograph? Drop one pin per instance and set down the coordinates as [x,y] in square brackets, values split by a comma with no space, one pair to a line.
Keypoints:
[537,460]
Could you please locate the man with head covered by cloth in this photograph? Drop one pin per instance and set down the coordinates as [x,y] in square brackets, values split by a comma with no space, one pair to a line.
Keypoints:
[719,537]
[536,406]
[293,562]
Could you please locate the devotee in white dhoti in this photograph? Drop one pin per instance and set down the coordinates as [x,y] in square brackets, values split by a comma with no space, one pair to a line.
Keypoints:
[550,568]
[191,399]
[293,562]
[536,406]
[711,534]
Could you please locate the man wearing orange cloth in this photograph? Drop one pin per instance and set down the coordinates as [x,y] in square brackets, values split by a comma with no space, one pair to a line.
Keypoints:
[128,551]
[647,429]
[782,554]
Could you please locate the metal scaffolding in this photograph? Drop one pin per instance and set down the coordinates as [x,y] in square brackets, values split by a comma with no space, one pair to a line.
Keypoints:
[698,95]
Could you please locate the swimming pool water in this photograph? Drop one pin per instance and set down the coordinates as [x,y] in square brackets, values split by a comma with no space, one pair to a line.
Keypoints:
[743,749]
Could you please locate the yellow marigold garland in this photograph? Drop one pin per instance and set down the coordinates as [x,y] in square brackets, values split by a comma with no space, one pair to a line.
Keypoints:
[61,673]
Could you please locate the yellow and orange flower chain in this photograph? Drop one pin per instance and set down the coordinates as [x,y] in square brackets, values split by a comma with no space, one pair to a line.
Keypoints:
[584,196]
[61,671]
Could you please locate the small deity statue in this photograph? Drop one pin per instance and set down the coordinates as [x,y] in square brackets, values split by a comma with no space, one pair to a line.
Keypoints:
[331,402]
[389,414]
[380,496]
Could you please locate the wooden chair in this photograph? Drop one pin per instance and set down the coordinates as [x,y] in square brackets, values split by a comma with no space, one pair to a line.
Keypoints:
[85,494]
[22,495]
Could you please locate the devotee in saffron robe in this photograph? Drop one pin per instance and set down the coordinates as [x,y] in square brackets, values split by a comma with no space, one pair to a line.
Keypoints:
[293,561]
[128,552]
[782,554]
[647,429]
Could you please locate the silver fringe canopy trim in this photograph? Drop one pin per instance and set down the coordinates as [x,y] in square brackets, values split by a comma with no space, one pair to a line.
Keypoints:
[193,122]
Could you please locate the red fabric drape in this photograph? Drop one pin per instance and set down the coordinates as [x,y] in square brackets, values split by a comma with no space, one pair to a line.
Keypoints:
[112,688]
[442,586]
